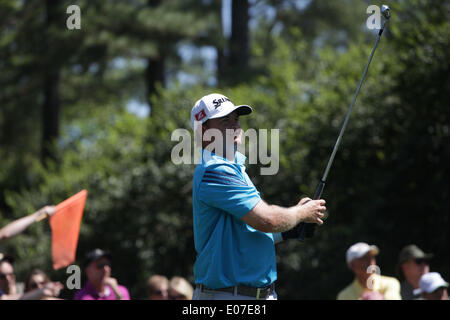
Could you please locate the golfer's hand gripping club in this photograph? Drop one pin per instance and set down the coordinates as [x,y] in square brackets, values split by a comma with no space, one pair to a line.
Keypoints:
[306,230]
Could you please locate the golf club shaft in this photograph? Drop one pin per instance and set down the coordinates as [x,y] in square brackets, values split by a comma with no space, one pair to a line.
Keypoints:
[307,229]
[347,117]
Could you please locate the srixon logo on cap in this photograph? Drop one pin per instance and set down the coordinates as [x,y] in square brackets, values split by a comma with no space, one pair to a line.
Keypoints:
[218,102]
[200,115]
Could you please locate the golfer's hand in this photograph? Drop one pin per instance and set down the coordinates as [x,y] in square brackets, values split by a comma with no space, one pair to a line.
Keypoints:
[304,200]
[312,210]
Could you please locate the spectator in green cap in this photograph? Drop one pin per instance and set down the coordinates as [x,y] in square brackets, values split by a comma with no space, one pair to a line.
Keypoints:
[412,264]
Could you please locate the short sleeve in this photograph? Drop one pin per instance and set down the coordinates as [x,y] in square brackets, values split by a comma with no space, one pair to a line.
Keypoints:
[226,189]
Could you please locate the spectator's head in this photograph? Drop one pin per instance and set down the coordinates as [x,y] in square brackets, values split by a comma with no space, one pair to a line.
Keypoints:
[180,289]
[7,276]
[98,266]
[360,256]
[432,287]
[36,279]
[157,287]
[413,263]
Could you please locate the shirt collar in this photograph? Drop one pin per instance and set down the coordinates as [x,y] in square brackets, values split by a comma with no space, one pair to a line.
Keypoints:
[239,158]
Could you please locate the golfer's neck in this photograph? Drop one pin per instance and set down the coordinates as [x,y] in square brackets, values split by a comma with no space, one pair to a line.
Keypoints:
[231,154]
[227,153]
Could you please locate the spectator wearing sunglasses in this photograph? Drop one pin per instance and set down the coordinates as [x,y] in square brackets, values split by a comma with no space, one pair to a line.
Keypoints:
[36,279]
[38,286]
[100,285]
[412,264]
[8,290]
[157,287]
[180,289]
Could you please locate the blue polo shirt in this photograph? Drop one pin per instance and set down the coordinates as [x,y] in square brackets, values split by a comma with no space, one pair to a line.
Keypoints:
[229,252]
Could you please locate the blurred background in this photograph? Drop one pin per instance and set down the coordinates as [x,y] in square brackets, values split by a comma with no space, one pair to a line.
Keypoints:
[94,109]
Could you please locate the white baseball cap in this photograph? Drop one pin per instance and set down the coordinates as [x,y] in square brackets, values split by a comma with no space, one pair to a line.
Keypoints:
[215,105]
[360,249]
[429,282]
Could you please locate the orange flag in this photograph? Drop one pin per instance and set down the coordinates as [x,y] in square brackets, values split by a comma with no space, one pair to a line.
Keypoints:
[65,225]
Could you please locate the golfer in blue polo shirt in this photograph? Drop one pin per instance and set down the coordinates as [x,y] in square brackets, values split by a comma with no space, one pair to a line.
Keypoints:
[235,231]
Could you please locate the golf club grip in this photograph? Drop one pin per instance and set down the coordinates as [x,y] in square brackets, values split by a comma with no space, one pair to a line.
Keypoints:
[307,229]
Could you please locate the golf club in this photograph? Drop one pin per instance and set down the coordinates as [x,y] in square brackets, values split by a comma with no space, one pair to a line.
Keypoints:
[307,229]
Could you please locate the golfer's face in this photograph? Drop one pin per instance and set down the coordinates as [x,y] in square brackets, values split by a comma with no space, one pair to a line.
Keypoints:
[229,127]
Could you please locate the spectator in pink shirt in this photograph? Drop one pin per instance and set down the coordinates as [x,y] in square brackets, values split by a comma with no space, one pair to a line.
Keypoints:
[100,284]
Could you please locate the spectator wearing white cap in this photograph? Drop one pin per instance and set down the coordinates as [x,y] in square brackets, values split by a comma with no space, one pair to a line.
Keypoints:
[432,287]
[368,285]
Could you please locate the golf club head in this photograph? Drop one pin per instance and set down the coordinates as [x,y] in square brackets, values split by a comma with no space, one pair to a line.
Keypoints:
[386,12]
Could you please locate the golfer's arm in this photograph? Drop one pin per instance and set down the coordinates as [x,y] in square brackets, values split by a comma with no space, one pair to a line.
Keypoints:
[272,218]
